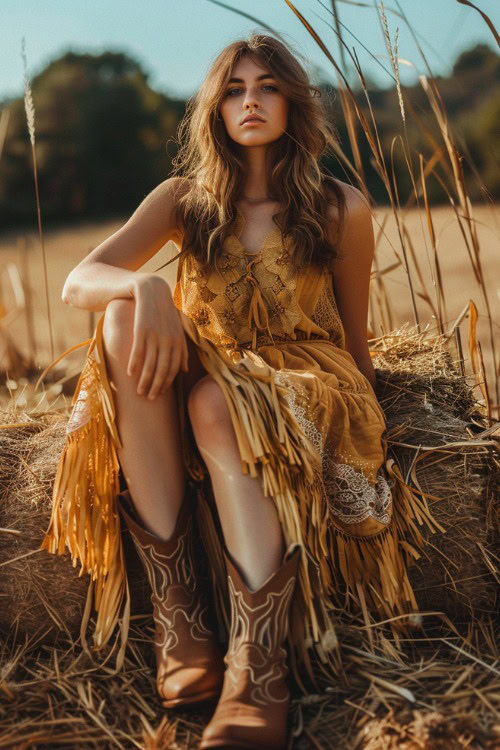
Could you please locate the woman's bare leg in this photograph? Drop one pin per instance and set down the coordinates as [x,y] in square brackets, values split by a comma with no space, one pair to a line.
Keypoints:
[151,457]
[250,522]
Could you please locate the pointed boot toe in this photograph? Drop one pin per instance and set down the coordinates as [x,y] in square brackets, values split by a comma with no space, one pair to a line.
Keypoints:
[190,684]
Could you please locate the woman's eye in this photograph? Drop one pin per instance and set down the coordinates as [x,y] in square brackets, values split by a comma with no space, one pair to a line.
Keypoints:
[267,86]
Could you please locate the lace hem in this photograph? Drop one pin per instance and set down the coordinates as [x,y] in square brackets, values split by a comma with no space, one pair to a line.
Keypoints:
[349,495]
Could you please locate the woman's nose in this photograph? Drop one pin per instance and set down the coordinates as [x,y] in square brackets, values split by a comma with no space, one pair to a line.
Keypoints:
[251,99]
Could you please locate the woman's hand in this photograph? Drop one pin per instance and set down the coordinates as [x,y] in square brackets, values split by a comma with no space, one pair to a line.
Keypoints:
[159,345]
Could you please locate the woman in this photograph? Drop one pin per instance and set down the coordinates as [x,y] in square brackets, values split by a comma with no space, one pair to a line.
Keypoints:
[241,407]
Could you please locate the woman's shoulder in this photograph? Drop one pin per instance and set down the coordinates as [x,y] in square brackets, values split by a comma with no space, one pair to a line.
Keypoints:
[353,197]
[177,187]
[354,206]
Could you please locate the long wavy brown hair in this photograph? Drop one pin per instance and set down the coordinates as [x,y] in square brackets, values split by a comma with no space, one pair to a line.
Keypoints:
[215,172]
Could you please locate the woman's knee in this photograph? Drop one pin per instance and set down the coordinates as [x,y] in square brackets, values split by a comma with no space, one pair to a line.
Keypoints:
[208,410]
[118,327]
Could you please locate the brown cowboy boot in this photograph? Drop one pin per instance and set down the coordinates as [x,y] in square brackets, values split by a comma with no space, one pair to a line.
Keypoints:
[253,708]
[189,663]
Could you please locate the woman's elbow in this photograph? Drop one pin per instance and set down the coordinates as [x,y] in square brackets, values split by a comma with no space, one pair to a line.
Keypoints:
[68,293]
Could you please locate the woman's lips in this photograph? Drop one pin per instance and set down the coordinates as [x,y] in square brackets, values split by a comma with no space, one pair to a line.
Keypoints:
[253,121]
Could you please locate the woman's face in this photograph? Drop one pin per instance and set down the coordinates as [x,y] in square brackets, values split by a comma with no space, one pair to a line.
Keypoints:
[252,89]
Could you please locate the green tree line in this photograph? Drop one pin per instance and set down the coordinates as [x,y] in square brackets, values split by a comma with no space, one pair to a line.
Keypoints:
[105,138]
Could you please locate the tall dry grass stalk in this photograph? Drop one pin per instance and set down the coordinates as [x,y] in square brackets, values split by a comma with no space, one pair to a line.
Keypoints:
[485,18]
[4,122]
[445,155]
[23,254]
[30,118]
[372,136]
[393,56]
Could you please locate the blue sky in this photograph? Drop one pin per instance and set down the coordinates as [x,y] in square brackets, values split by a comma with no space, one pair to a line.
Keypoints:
[175,40]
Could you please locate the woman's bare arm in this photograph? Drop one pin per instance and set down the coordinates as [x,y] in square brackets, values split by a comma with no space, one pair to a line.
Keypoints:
[110,270]
[351,278]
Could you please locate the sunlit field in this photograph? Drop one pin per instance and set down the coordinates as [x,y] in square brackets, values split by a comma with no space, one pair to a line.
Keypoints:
[21,261]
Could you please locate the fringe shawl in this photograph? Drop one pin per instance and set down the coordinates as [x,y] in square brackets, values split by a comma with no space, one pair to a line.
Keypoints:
[85,517]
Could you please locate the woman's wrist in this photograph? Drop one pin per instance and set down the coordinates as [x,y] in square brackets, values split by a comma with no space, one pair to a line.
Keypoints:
[147,281]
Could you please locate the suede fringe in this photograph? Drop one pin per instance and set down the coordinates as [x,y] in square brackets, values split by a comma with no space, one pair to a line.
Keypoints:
[84,516]
[370,571]
[374,568]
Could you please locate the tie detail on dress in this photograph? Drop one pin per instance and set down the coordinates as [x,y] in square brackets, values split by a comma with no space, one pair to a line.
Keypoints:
[258,318]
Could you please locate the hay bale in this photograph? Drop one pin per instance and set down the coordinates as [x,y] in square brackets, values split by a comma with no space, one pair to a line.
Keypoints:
[427,402]
[37,590]
[40,591]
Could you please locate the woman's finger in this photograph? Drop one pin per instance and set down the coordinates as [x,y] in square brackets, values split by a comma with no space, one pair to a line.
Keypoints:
[137,352]
[162,368]
[185,355]
[149,365]
[175,362]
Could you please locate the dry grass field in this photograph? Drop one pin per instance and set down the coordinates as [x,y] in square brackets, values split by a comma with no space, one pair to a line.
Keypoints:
[67,245]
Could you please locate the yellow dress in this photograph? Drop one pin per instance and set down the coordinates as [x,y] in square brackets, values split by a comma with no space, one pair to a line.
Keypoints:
[308,424]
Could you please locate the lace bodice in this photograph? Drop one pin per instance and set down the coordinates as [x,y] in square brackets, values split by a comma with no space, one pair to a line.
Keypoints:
[257,298]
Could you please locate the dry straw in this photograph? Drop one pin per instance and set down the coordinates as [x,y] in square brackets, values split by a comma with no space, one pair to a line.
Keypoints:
[441,685]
